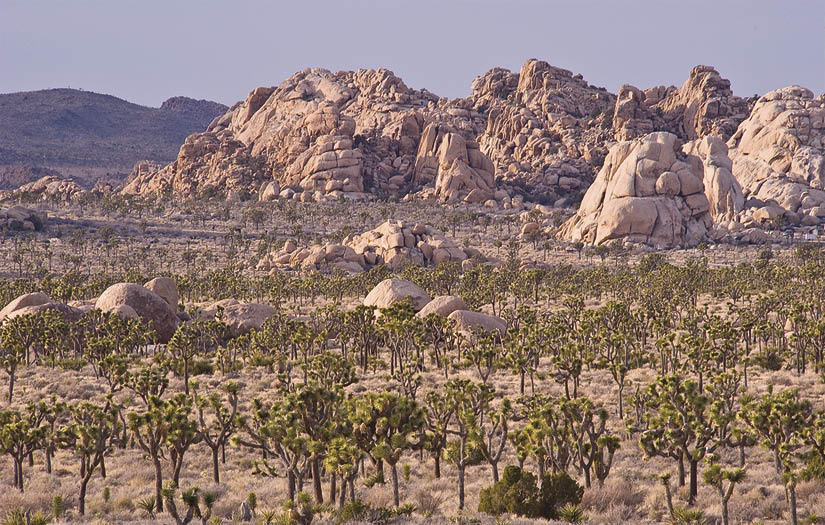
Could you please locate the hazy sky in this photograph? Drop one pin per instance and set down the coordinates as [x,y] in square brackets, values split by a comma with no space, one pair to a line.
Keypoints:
[148,50]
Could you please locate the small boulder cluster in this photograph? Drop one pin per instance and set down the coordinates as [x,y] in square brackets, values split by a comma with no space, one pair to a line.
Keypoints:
[395,244]
[391,291]
[18,218]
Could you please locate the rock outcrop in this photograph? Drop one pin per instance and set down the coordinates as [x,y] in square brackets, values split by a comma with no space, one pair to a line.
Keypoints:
[778,153]
[68,313]
[467,322]
[151,307]
[395,244]
[166,288]
[18,218]
[319,133]
[703,106]
[709,156]
[240,317]
[23,301]
[546,128]
[453,165]
[443,305]
[391,291]
[646,192]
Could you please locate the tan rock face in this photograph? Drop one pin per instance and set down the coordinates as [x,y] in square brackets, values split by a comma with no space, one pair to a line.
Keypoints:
[703,106]
[348,132]
[778,153]
[49,188]
[166,288]
[467,321]
[395,244]
[443,305]
[454,165]
[29,299]
[649,191]
[391,291]
[544,124]
[148,305]
[241,317]
[709,156]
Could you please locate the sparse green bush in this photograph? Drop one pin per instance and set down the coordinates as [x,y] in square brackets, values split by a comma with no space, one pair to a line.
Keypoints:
[57,506]
[558,490]
[814,468]
[516,493]
[18,517]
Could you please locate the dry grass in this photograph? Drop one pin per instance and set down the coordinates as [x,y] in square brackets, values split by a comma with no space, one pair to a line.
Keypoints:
[630,494]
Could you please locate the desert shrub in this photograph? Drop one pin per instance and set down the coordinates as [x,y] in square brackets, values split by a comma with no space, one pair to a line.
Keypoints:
[814,468]
[769,359]
[572,514]
[429,502]
[558,490]
[57,506]
[360,511]
[688,516]
[18,517]
[202,367]
[69,363]
[515,493]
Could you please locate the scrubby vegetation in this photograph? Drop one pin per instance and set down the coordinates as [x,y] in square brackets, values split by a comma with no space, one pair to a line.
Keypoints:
[630,390]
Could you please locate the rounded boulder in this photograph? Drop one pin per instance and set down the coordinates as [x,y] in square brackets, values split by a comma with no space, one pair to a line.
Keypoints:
[467,321]
[148,305]
[166,288]
[29,299]
[391,291]
[443,305]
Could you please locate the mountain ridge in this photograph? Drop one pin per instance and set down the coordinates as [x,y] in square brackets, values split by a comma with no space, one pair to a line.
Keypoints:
[69,129]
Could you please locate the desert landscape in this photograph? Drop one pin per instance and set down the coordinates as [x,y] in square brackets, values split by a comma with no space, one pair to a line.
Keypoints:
[344,300]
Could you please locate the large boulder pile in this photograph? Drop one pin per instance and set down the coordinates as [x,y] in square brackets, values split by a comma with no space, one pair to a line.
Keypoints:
[454,166]
[240,317]
[395,244]
[650,192]
[546,128]
[703,106]
[50,188]
[778,156]
[18,218]
[319,134]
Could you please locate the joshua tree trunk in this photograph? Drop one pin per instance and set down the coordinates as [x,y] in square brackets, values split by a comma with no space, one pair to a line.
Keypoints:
[215,470]
[158,484]
[694,488]
[461,487]
[316,481]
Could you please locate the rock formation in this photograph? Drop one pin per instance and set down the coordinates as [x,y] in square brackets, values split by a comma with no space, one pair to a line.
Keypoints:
[391,291]
[646,192]
[18,218]
[240,317]
[319,133]
[51,188]
[546,127]
[704,105]
[395,244]
[149,306]
[778,153]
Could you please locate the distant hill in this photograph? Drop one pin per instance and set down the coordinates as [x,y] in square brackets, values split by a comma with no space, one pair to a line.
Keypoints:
[80,132]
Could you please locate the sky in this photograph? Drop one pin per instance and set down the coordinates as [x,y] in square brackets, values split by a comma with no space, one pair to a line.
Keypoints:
[146,51]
